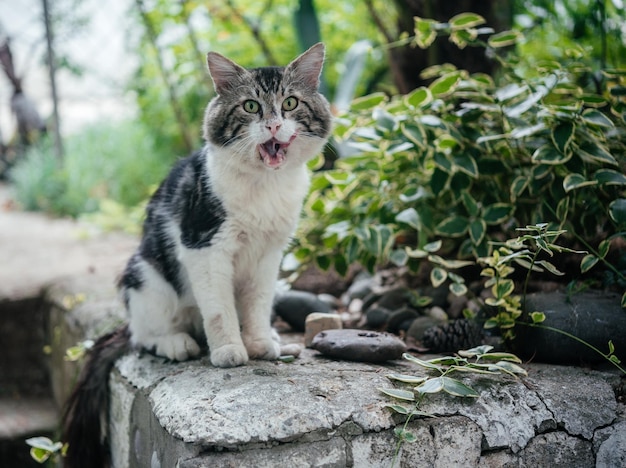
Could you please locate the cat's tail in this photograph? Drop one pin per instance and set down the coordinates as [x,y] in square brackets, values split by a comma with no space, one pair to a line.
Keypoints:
[86,412]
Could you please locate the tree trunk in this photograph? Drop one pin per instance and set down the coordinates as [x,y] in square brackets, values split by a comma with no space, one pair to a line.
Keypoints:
[408,62]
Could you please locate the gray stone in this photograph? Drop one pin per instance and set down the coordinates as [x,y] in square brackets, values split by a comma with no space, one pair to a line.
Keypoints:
[506,412]
[294,307]
[580,402]
[377,317]
[612,450]
[359,345]
[323,454]
[558,449]
[593,316]
[318,322]
[420,325]
[401,319]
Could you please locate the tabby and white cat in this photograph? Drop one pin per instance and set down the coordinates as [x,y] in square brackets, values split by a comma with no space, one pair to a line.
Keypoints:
[214,234]
[217,227]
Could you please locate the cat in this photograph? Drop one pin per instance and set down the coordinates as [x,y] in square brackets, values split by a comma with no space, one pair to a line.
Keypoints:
[215,231]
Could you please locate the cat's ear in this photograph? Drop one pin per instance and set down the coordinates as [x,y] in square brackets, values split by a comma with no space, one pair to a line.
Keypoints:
[224,72]
[307,68]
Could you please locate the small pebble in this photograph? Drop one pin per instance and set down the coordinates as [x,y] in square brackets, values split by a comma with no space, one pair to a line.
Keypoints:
[318,322]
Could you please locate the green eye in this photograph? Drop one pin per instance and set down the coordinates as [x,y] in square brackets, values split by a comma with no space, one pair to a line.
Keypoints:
[251,106]
[290,103]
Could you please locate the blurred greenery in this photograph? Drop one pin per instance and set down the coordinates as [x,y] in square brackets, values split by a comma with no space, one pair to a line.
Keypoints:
[120,161]
[575,40]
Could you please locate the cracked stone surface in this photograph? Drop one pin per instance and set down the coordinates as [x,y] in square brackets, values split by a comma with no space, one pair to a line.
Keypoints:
[329,413]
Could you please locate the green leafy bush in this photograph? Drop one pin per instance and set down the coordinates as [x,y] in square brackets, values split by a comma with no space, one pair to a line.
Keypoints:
[106,161]
[466,160]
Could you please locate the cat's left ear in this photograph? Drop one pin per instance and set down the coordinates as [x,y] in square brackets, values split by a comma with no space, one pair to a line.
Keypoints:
[307,67]
[224,72]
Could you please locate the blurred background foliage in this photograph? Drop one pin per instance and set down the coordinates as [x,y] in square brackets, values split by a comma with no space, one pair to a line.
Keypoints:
[465,174]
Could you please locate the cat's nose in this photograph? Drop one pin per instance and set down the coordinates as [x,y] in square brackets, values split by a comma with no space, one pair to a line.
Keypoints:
[273,127]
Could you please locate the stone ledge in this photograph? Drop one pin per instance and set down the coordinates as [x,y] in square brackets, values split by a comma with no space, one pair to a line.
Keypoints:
[320,412]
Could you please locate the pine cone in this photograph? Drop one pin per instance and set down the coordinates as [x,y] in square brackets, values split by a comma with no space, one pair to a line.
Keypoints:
[453,336]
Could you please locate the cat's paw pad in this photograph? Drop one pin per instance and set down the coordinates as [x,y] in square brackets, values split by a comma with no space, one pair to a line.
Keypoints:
[263,349]
[178,347]
[229,356]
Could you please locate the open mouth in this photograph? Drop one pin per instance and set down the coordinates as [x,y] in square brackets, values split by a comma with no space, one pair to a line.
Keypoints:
[273,152]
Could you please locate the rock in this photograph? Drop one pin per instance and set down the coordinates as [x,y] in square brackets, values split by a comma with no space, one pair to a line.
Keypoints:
[395,298]
[593,316]
[377,317]
[294,307]
[361,287]
[612,450]
[359,345]
[437,313]
[401,319]
[420,325]
[318,322]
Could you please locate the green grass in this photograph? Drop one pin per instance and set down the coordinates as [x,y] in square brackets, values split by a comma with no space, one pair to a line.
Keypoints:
[112,161]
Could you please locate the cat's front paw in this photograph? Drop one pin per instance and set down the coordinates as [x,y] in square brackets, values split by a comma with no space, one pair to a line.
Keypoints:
[177,347]
[263,348]
[229,356]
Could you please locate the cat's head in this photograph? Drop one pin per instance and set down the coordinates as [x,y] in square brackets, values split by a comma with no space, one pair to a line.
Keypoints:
[269,117]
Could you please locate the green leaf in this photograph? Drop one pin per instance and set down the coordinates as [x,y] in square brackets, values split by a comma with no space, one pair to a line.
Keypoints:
[503,288]
[368,102]
[449,264]
[562,136]
[597,118]
[508,367]
[498,213]
[575,181]
[550,267]
[548,154]
[39,455]
[453,226]
[384,120]
[433,385]
[445,84]
[399,409]
[457,388]
[466,20]
[591,151]
[473,352]
[458,289]
[623,301]
[426,364]
[411,379]
[518,186]
[410,217]
[425,33]
[477,230]
[505,38]
[588,262]
[434,246]
[404,435]
[437,276]
[418,97]
[398,393]
[445,143]
[604,247]
[537,317]
[467,164]
[609,177]
[398,257]
[617,210]
[470,203]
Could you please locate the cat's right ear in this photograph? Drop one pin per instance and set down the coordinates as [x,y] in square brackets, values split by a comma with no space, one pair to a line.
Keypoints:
[224,72]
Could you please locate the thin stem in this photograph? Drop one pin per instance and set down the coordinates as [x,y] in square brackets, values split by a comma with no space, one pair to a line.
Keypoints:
[580,340]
